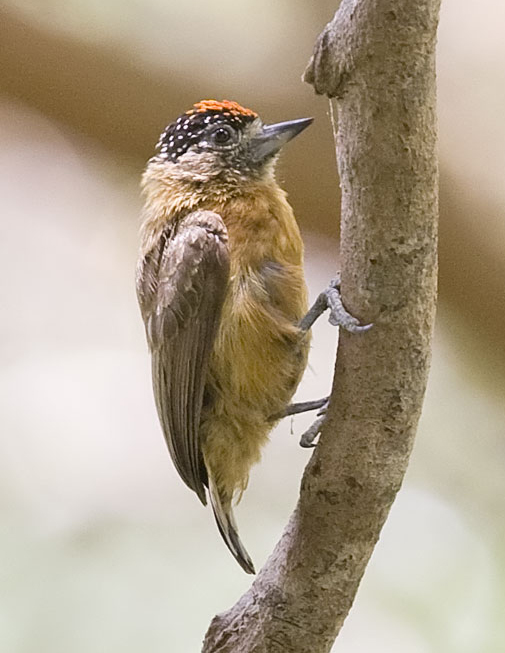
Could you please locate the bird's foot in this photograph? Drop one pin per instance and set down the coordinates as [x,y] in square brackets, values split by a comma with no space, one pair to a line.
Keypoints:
[339,316]
[307,439]
[331,299]
[305,406]
[300,407]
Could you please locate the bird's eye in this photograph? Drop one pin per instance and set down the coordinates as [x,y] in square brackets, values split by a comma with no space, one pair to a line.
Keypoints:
[222,135]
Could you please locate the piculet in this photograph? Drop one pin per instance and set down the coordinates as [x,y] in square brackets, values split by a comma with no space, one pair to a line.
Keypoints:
[221,289]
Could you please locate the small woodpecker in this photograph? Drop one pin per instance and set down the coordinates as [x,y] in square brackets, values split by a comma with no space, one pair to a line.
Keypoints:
[222,293]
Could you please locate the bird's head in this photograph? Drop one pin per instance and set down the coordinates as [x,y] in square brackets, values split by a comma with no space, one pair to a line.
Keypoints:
[223,139]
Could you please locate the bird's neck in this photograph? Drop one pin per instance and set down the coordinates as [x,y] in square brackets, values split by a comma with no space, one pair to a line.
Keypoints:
[259,220]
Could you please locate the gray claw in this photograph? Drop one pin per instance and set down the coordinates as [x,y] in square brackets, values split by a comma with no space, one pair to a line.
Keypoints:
[339,316]
[307,438]
[331,298]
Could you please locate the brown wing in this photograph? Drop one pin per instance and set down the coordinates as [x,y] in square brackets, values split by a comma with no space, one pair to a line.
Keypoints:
[181,286]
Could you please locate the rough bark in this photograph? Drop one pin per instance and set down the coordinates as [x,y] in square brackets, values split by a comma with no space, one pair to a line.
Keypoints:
[377,57]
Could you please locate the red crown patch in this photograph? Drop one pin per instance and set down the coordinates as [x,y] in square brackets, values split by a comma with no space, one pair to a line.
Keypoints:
[226,107]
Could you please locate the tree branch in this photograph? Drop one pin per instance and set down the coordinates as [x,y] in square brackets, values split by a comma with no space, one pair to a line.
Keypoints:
[377,57]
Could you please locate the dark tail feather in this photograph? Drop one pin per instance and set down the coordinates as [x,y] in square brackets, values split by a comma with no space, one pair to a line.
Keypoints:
[228,528]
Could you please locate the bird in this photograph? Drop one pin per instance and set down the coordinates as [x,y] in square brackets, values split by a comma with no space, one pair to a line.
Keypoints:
[222,293]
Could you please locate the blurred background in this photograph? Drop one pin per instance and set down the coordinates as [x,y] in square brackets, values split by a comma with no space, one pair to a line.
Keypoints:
[102,548]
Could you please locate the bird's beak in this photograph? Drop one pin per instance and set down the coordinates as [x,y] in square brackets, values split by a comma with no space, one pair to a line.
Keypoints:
[272,137]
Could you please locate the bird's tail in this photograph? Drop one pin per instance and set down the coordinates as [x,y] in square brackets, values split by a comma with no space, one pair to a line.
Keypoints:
[228,527]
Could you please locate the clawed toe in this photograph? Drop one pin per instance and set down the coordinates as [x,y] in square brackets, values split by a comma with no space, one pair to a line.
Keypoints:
[307,438]
[339,316]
